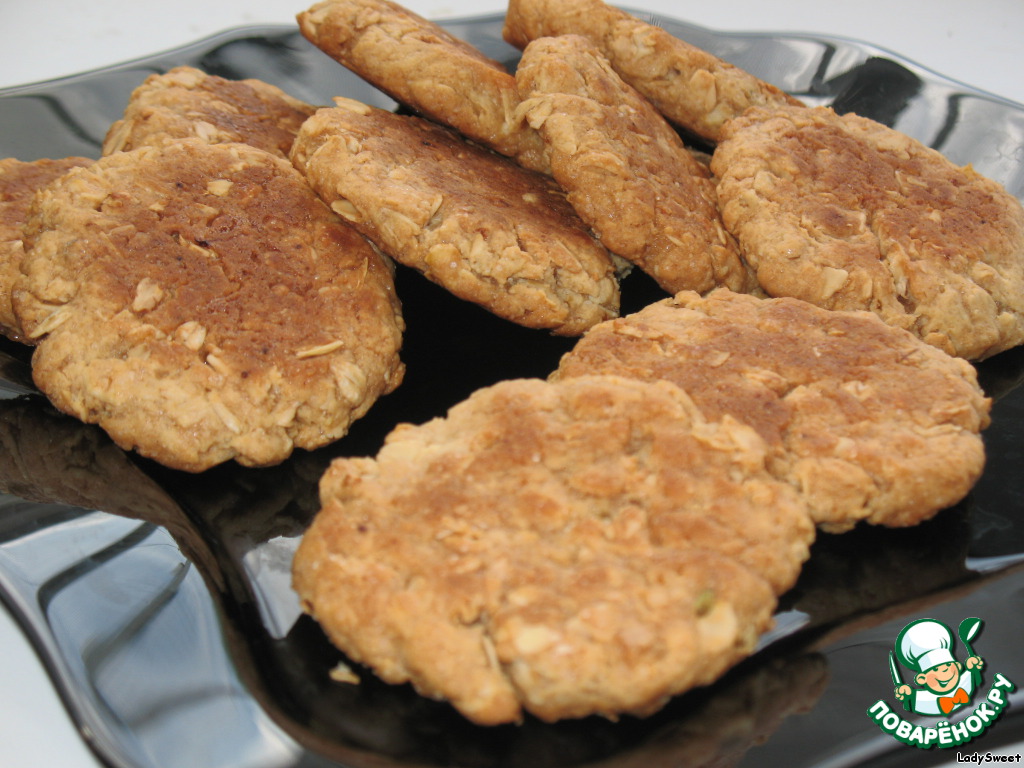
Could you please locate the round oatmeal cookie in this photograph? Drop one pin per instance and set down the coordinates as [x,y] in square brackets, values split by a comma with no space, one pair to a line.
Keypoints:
[19,182]
[188,103]
[846,213]
[419,64]
[586,547]
[470,220]
[867,421]
[201,304]
[626,171]
[691,87]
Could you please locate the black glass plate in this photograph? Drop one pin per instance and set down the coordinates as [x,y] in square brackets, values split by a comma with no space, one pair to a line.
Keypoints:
[160,601]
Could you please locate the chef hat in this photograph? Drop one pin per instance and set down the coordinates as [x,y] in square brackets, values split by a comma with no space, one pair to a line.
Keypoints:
[924,644]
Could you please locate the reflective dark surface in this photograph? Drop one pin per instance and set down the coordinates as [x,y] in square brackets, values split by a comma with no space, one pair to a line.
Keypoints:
[160,600]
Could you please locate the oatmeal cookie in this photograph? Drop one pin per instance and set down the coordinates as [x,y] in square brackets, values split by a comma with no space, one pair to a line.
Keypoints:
[846,213]
[626,171]
[471,220]
[19,182]
[418,64]
[188,103]
[587,547]
[691,87]
[867,421]
[200,303]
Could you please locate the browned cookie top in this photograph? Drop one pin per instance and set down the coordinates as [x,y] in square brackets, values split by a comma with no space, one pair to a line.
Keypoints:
[846,213]
[421,65]
[589,546]
[188,103]
[200,303]
[867,421]
[472,221]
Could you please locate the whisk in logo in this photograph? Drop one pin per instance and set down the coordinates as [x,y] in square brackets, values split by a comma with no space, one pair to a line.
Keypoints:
[938,685]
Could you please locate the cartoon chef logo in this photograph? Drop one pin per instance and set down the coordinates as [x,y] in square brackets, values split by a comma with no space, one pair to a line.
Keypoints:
[942,684]
[940,687]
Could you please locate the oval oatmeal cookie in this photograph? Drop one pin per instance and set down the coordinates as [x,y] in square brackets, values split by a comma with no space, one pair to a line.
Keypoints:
[691,87]
[470,220]
[419,64]
[625,170]
[188,103]
[587,547]
[19,182]
[867,421]
[846,213]
[200,303]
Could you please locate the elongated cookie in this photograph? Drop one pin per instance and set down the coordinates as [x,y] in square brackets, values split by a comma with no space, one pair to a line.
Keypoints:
[691,87]
[19,182]
[420,65]
[189,103]
[846,213]
[867,421]
[201,304]
[472,221]
[626,171]
[587,547]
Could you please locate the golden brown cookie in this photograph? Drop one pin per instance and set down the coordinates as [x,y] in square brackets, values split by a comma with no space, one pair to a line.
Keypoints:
[420,65]
[867,421]
[471,220]
[846,213]
[626,171]
[691,87]
[19,182]
[200,303]
[188,103]
[587,547]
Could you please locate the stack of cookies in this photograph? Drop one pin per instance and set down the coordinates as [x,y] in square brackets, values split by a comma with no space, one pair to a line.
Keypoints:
[218,286]
[602,540]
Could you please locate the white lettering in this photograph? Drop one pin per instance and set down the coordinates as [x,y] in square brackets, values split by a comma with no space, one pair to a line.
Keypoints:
[945,738]
[959,731]
[984,713]
[947,734]
[1002,682]
[878,709]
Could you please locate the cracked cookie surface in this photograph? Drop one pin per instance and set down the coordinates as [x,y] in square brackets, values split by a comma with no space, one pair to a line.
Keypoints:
[625,170]
[867,421]
[587,547]
[420,65]
[201,304]
[19,182]
[189,103]
[846,213]
[471,220]
[691,87]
